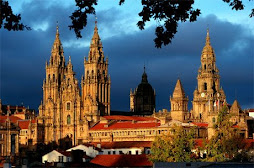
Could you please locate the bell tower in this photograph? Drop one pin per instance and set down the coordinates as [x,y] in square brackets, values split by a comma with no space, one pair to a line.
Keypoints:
[208,96]
[96,82]
[179,103]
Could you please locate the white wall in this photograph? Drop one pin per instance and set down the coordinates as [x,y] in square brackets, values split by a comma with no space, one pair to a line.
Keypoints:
[90,151]
[53,156]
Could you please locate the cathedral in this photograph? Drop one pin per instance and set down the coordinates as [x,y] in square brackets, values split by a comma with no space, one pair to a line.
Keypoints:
[77,115]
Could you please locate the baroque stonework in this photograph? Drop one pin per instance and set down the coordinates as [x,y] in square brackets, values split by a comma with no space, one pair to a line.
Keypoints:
[68,113]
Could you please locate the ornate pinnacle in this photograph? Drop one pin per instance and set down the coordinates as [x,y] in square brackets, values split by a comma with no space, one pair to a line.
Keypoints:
[207,37]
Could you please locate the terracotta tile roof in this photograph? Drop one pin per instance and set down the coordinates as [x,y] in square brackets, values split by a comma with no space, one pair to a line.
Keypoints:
[13,119]
[125,125]
[122,160]
[24,124]
[124,144]
[200,124]
[129,118]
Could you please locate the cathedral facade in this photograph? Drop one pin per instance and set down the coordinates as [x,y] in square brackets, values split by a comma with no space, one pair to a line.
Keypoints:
[83,115]
[65,109]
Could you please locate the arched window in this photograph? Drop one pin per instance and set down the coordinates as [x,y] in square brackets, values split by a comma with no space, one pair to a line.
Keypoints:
[205,66]
[53,77]
[205,86]
[68,106]
[68,119]
[87,73]
[49,77]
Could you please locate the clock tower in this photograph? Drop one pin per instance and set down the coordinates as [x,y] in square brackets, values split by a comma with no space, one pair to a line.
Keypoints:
[208,97]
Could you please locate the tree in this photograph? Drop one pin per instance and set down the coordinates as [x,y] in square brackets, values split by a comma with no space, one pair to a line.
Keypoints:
[168,13]
[175,147]
[226,142]
[10,21]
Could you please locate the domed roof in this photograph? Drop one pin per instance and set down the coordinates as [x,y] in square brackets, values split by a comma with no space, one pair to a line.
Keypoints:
[144,88]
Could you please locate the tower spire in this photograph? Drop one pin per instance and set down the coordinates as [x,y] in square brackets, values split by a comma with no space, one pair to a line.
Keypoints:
[207,37]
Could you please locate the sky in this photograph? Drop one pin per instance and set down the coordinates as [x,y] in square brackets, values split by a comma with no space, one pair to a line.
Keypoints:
[23,54]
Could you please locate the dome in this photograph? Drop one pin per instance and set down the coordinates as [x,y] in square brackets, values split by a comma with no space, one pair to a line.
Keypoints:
[144,97]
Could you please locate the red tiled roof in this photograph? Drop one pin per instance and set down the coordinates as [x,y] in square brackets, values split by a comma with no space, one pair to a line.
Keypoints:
[13,119]
[122,160]
[124,144]
[125,125]
[200,124]
[129,118]
[24,124]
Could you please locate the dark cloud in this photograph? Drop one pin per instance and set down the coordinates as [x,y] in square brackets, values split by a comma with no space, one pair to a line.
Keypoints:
[23,56]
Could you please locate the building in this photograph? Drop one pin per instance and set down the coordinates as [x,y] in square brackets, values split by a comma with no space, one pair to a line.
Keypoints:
[70,116]
[142,99]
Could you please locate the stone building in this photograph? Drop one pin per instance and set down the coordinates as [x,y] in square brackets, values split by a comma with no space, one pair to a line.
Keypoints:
[142,99]
[70,116]
[179,103]
[65,111]
[208,97]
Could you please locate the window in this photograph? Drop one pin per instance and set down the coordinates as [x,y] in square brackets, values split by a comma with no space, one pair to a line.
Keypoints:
[120,152]
[205,86]
[213,120]
[109,152]
[60,158]
[114,152]
[68,119]
[53,77]
[68,106]
[205,66]
[136,152]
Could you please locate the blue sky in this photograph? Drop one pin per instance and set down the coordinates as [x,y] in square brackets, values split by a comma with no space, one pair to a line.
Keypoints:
[23,54]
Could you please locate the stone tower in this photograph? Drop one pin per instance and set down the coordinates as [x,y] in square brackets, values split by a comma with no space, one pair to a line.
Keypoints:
[179,103]
[96,82]
[208,96]
[60,109]
[142,100]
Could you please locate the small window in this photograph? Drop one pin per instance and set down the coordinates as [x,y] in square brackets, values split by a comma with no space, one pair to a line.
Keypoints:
[109,152]
[68,119]
[136,152]
[205,66]
[114,152]
[205,86]
[68,106]
[213,120]
[53,77]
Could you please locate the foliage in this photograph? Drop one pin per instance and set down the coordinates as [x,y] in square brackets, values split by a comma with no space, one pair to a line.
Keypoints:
[226,142]
[10,21]
[175,147]
[167,13]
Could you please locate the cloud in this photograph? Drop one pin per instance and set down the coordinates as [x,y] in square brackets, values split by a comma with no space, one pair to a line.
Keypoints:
[23,55]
